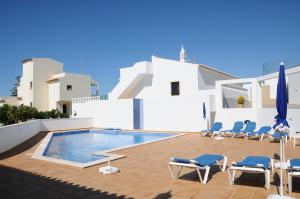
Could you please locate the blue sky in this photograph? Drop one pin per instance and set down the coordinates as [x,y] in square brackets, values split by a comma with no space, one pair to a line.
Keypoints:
[98,37]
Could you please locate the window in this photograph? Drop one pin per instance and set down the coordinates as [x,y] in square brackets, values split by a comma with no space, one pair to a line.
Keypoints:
[69,87]
[175,88]
[30,104]
[30,85]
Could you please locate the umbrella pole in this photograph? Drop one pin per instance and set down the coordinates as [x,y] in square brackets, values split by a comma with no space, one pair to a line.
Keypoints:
[281,163]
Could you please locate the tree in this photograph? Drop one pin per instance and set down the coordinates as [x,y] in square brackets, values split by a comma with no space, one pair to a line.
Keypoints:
[14,90]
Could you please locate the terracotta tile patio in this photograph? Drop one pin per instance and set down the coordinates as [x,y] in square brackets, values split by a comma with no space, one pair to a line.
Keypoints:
[144,172]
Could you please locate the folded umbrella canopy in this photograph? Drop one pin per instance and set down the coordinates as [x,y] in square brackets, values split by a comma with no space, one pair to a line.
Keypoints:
[281,124]
[281,99]
[204,110]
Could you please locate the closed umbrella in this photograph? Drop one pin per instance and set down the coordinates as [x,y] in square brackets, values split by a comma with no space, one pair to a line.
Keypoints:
[281,124]
[204,110]
[281,99]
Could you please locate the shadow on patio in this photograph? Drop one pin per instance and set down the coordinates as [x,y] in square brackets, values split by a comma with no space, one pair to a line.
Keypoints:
[23,146]
[15,183]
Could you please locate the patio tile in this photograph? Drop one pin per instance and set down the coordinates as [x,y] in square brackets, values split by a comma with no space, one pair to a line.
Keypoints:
[144,173]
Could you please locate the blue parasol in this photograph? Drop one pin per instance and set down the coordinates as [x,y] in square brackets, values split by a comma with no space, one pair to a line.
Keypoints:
[281,99]
[204,110]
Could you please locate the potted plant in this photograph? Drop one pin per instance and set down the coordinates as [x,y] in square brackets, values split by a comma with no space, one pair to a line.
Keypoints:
[240,100]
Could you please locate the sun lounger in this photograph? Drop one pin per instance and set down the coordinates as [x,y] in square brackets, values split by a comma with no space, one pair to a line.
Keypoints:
[294,171]
[264,130]
[237,127]
[203,162]
[250,127]
[277,136]
[214,130]
[252,164]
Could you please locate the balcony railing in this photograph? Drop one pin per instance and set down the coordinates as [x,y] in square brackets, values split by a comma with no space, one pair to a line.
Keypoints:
[89,99]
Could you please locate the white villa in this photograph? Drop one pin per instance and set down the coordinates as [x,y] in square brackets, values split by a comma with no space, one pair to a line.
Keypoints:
[46,86]
[168,95]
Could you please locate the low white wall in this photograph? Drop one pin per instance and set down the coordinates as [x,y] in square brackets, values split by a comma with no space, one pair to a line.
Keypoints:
[13,135]
[229,115]
[176,113]
[65,123]
[264,116]
[107,113]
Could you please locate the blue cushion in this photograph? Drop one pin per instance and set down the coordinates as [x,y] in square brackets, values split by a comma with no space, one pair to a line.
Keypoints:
[255,161]
[181,160]
[238,126]
[295,162]
[207,159]
[278,134]
[262,130]
[216,127]
[203,160]
[250,126]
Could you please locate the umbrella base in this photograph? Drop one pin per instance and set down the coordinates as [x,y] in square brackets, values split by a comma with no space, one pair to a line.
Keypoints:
[277,196]
[108,170]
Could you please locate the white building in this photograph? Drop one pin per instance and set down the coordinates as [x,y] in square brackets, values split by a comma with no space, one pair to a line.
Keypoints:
[163,78]
[9,100]
[46,86]
[162,94]
[261,96]
[168,95]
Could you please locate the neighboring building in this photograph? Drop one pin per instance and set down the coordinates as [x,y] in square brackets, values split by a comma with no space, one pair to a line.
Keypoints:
[9,100]
[46,86]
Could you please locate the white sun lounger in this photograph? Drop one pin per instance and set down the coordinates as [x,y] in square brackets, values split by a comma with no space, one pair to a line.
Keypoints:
[203,162]
[294,171]
[252,164]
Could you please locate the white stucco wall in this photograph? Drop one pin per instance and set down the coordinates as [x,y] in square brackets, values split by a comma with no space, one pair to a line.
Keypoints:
[153,79]
[131,80]
[66,123]
[45,94]
[13,135]
[81,86]
[166,71]
[44,69]
[107,113]
[176,113]
[294,88]
[262,116]
[37,71]
[24,90]
[9,100]
[54,95]
[207,78]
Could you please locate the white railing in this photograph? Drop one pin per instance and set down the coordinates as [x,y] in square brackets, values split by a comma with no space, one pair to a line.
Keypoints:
[85,99]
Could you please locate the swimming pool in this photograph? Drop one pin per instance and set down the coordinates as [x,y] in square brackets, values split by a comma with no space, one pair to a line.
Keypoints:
[87,147]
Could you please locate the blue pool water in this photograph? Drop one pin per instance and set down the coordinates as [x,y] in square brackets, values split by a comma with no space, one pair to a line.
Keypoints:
[79,146]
